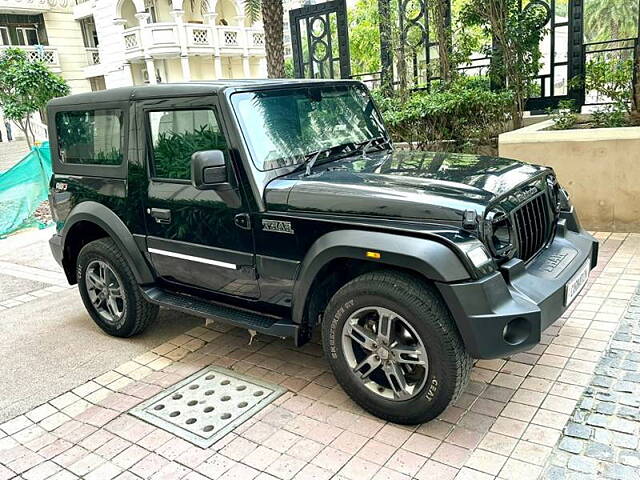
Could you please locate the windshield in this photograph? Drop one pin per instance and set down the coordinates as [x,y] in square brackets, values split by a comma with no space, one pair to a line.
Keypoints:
[282,127]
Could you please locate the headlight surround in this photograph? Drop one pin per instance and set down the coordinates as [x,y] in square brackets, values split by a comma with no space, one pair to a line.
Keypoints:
[498,232]
[564,200]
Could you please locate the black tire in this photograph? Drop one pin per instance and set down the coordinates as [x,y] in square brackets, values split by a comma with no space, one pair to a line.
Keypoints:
[138,313]
[421,306]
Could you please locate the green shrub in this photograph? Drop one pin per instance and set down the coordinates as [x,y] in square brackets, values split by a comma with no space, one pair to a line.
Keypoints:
[611,78]
[611,116]
[466,111]
[565,116]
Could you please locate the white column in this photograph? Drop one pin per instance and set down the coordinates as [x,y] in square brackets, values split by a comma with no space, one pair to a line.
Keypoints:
[246,66]
[151,70]
[217,63]
[211,20]
[178,16]
[186,68]
[128,74]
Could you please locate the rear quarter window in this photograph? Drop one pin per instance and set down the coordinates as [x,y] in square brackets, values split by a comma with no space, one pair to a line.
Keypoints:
[90,137]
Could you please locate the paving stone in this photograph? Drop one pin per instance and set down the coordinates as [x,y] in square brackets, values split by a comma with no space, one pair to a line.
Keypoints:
[600,451]
[572,445]
[582,464]
[630,458]
[620,472]
[578,430]
[597,420]
[624,440]
[556,473]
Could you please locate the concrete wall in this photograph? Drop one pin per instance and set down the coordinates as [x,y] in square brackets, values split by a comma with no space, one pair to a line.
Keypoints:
[599,168]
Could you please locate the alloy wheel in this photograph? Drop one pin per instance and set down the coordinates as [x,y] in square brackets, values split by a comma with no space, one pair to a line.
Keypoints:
[105,291]
[385,353]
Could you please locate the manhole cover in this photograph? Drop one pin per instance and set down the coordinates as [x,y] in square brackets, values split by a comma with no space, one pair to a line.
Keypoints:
[207,405]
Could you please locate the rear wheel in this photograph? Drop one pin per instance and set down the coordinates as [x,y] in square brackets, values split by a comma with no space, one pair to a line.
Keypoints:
[109,290]
[394,347]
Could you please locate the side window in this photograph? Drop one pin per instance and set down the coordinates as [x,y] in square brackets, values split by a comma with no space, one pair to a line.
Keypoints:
[90,137]
[178,134]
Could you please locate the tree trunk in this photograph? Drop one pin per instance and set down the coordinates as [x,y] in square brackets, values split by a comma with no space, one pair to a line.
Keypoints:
[442,20]
[386,46]
[24,128]
[272,17]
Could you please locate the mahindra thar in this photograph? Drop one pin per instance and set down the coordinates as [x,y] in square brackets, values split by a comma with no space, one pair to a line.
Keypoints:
[281,206]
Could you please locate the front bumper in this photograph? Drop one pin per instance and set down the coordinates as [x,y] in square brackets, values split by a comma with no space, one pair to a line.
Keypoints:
[507,311]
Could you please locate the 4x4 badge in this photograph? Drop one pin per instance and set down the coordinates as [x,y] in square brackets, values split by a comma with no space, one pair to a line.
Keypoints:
[278,226]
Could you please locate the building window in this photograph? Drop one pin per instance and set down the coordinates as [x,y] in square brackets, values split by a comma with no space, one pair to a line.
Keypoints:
[97,84]
[27,36]
[4,36]
[150,6]
[89,32]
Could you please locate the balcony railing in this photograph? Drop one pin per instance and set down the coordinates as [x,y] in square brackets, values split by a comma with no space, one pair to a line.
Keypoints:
[39,53]
[200,38]
[93,56]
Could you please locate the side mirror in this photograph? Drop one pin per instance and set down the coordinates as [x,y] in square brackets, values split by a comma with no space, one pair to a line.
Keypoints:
[209,170]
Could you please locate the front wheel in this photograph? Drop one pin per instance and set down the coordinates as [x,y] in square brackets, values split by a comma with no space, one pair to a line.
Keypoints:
[109,290]
[394,347]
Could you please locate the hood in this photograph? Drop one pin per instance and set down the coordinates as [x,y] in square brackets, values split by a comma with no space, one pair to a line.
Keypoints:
[401,184]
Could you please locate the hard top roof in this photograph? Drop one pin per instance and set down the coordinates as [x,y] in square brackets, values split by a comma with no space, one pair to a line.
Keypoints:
[163,90]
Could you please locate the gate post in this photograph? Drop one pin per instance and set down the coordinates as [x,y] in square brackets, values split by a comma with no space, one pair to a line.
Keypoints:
[577,57]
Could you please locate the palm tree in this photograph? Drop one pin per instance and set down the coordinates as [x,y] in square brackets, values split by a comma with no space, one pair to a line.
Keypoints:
[272,17]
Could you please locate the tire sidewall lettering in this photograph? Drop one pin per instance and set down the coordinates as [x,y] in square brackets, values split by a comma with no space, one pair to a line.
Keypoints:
[333,327]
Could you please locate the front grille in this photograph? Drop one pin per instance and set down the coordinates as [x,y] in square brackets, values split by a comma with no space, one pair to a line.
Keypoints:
[533,223]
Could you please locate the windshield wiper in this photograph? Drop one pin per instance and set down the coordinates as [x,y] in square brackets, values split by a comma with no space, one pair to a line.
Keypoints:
[313,157]
[364,146]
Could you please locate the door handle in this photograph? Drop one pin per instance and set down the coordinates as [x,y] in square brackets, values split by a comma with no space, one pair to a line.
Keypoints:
[161,215]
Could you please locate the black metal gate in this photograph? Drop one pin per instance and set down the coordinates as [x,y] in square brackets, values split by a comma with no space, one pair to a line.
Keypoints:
[418,49]
[562,55]
[320,40]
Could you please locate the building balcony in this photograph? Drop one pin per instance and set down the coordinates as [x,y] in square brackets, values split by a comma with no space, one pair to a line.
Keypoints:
[163,39]
[47,55]
[93,56]
[24,6]
[83,8]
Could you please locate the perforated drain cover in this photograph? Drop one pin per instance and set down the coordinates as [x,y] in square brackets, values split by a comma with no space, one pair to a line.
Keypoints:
[207,405]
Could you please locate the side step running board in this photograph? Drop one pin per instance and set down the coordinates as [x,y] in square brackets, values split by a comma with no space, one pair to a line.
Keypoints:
[277,327]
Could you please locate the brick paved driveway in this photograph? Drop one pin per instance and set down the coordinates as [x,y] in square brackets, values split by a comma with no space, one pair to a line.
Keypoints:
[566,408]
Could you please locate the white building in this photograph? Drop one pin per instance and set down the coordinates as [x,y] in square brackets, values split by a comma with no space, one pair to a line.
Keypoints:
[98,44]
[132,42]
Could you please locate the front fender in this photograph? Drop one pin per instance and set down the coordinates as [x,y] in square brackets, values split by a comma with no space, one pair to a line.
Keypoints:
[112,224]
[429,258]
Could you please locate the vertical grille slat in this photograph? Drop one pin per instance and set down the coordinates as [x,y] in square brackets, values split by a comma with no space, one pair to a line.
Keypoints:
[532,225]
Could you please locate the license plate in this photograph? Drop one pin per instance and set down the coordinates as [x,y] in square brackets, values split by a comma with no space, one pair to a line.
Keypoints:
[577,283]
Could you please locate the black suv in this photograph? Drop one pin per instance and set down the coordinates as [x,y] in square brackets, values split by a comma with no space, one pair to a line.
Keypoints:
[282,206]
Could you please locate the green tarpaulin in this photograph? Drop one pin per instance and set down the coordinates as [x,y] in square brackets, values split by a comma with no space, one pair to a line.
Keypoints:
[23,188]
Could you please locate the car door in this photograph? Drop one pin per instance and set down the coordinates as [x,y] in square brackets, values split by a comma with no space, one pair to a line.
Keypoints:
[194,237]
